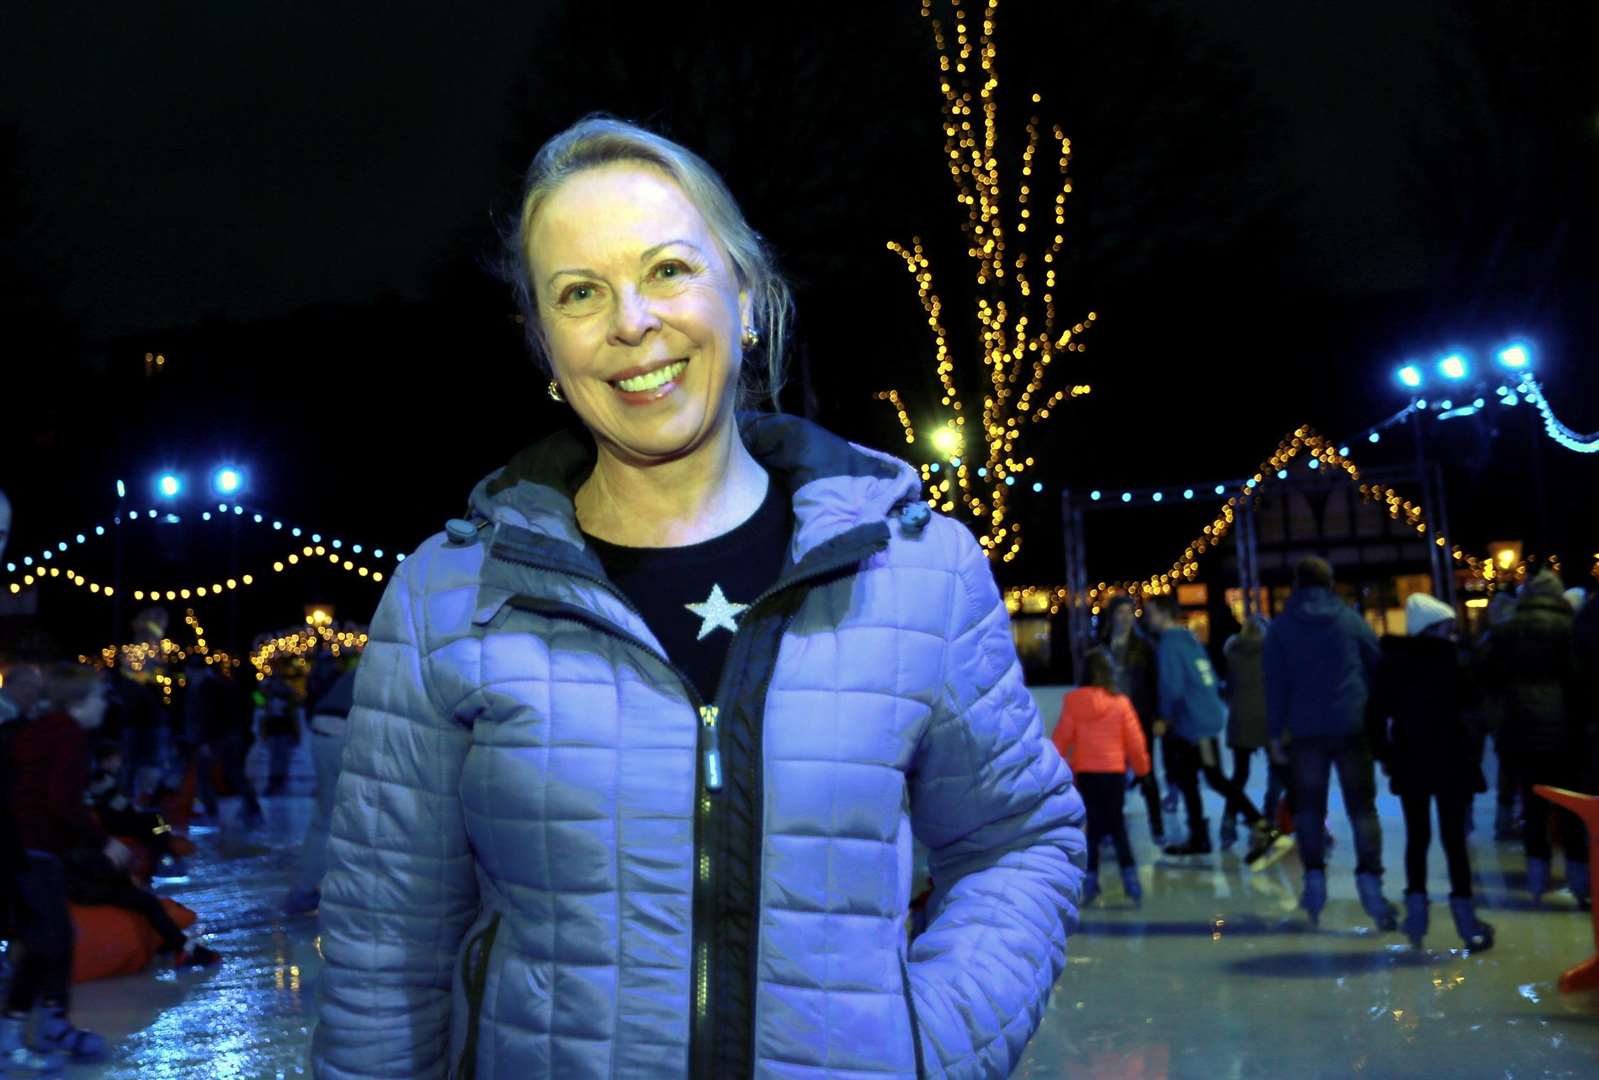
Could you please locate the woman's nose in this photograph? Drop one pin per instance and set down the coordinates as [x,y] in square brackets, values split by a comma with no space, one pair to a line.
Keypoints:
[633,317]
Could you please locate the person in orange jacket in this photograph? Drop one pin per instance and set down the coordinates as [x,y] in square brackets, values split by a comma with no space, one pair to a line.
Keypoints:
[1100,737]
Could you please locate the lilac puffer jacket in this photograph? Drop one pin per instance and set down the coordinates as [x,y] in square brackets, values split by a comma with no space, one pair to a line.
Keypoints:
[520,849]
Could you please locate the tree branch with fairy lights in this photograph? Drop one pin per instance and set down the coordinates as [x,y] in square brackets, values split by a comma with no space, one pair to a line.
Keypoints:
[1016,272]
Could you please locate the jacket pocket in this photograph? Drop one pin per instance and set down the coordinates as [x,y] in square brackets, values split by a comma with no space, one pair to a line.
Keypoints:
[475,977]
[910,1009]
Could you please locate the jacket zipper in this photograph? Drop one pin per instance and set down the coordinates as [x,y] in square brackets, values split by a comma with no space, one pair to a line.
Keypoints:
[708,768]
[916,1027]
[476,982]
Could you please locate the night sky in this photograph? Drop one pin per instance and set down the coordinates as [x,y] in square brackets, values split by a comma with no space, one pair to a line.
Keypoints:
[1275,204]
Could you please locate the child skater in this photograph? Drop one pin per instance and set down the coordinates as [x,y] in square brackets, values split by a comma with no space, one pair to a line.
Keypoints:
[1417,716]
[1100,737]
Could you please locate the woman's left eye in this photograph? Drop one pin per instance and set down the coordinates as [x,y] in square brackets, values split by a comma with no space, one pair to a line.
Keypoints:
[672,269]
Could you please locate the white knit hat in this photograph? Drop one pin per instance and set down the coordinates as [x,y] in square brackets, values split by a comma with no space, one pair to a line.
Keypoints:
[1422,611]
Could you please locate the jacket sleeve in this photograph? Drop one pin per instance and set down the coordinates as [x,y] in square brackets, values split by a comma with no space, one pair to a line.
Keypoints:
[1275,668]
[400,890]
[1171,676]
[1003,823]
[1065,730]
[1133,740]
[76,824]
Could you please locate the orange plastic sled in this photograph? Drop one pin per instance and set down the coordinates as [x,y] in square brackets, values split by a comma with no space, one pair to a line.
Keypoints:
[114,941]
[1585,976]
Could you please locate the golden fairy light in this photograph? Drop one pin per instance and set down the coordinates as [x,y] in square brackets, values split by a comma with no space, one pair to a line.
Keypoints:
[1016,281]
[1304,440]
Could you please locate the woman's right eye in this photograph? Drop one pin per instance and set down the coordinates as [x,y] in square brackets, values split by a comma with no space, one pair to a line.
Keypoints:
[576,294]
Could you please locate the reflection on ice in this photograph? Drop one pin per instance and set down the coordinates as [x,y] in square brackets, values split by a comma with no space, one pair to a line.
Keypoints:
[1217,974]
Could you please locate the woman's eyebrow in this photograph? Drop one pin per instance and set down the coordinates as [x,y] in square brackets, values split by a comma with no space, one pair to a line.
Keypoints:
[647,254]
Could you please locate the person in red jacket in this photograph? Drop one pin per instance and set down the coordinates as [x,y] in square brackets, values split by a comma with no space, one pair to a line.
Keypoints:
[1100,737]
[50,776]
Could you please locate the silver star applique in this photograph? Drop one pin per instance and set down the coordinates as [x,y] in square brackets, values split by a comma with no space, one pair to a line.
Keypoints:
[716,613]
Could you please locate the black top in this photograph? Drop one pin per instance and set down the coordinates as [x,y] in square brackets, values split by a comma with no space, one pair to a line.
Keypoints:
[693,597]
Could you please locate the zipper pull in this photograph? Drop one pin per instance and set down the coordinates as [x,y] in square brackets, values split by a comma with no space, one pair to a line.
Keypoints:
[713,753]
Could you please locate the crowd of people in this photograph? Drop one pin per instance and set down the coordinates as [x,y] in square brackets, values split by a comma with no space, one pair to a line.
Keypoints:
[1319,693]
[93,764]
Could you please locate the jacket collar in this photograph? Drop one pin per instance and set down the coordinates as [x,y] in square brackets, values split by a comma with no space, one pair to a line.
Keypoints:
[840,492]
[833,485]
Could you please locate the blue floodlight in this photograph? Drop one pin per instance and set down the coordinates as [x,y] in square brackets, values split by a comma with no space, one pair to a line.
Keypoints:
[1410,375]
[205,516]
[227,480]
[1343,451]
[294,532]
[258,519]
[356,548]
[378,554]
[1282,474]
[1516,357]
[1036,488]
[122,490]
[1313,463]
[982,472]
[1446,405]
[933,467]
[1221,489]
[169,485]
[80,538]
[278,525]
[1095,495]
[99,530]
[1374,437]
[1158,496]
[1452,366]
[238,509]
[316,538]
[1127,496]
[1511,399]
[1009,481]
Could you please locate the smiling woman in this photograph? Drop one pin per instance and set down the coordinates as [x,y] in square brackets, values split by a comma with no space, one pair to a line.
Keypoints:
[639,748]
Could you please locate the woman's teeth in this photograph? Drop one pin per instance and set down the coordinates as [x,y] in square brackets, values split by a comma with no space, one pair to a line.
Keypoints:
[658,377]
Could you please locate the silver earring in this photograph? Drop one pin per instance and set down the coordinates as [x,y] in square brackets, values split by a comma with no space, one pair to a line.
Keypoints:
[555,391]
[751,338]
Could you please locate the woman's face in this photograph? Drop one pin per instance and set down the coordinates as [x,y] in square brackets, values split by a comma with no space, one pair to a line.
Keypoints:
[629,275]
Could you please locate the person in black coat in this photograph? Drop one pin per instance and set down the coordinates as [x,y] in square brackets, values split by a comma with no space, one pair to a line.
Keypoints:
[1420,701]
[1532,662]
[1136,677]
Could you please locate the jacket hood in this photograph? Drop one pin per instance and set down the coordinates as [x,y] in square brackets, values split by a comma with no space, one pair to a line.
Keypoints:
[1544,584]
[1313,604]
[834,485]
[1423,612]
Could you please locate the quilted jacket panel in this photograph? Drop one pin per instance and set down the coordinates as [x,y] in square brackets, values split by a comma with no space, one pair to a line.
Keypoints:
[511,869]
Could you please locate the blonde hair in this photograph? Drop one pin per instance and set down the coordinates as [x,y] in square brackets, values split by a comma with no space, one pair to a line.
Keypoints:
[599,140]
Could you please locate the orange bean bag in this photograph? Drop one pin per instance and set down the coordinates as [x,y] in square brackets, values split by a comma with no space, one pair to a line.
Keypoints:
[114,941]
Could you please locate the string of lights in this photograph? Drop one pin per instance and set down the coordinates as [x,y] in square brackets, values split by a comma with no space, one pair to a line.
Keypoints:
[1559,432]
[1323,454]
[1019,336]
[87,536]
[293,644]
[160,657]
[307,554]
